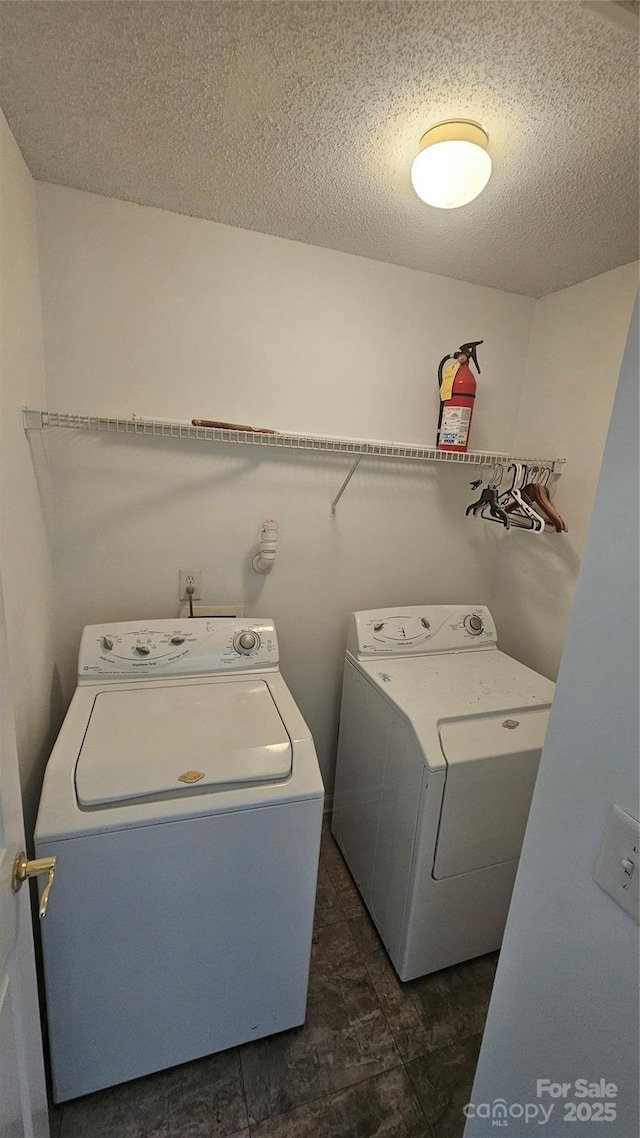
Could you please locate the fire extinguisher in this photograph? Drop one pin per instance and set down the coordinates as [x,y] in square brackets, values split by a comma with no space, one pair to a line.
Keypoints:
[457,385]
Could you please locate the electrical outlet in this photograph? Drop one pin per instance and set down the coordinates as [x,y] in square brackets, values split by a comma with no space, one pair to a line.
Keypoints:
[188,577]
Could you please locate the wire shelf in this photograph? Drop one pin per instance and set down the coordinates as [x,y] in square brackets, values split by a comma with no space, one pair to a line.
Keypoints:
[357,448]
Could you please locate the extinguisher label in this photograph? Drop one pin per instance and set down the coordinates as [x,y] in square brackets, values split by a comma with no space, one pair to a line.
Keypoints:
[454,428]
[448,376]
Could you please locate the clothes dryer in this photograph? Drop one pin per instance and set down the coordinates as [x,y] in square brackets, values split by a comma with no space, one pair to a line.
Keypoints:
[439,745]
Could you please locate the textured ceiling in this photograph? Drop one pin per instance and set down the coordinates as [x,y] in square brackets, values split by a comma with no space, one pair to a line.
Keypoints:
[301,119]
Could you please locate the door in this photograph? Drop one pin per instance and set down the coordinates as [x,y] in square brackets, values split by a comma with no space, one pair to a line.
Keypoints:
[23,1100]
[492,764]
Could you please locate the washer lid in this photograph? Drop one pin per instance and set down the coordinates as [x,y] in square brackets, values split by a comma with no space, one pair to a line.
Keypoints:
[160,741]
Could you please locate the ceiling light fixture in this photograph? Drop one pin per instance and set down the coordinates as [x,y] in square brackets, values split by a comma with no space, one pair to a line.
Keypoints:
[453,165]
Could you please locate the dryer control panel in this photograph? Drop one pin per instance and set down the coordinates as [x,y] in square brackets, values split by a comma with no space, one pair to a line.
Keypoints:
[182,647]
[419,630]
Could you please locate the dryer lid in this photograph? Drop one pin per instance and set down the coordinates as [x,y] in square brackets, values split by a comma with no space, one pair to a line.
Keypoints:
[165,741]
[457,684]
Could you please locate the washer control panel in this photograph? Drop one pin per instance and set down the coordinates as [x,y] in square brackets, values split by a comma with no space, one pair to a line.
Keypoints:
[419,630]
[177,648]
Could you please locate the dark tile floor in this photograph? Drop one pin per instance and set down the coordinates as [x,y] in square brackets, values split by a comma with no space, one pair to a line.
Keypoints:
[375,1058]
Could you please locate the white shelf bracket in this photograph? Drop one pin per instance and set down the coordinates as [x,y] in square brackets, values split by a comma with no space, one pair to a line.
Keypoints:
[344,485]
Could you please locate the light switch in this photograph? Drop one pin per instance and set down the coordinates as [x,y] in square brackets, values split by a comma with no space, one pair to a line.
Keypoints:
[616,869]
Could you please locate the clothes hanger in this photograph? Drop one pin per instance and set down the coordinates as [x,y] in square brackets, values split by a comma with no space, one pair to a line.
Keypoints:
[525,504]
[533,492]
[516,502]
[523,496]
[538,492]
[489,499]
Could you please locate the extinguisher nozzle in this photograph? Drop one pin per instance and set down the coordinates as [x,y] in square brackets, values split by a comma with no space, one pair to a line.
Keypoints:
[470,350]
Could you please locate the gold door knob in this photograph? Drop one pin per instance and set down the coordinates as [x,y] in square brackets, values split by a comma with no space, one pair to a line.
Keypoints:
[22,869]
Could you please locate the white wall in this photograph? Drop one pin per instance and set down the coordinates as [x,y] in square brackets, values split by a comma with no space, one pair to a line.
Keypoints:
[153,313]
[565,1002]
[574,357]
[25,558]
[162,315]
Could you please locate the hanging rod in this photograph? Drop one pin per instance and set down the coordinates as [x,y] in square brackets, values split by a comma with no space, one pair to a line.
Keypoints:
[166,429]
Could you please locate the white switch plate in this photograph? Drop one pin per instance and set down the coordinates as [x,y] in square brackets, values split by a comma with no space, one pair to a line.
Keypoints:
[617,869]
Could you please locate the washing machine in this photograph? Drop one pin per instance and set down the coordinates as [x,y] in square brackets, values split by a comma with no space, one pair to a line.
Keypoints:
[439,744]
[183,803]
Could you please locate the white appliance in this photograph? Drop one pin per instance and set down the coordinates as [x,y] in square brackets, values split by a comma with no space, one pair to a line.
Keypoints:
[440,739]
[183,802]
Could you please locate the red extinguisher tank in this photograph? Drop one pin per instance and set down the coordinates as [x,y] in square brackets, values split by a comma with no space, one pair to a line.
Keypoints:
[457,385]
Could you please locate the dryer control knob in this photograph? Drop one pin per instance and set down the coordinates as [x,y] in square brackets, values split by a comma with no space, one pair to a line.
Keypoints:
[107,643]
[246,642]
[142,649]
[474,625]
[177,639]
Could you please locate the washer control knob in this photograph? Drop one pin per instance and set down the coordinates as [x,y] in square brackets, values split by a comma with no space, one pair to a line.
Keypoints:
[246,642]
[142,649]
[107,643]
[474,625]
[177,639]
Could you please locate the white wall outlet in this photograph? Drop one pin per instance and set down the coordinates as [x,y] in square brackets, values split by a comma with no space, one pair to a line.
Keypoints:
[188,577]
[617,869]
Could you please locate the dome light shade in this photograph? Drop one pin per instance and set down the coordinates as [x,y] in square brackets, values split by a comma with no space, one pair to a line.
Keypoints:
[453,165]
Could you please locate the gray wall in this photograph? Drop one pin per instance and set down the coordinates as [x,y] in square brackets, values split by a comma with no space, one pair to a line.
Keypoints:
[565,1003]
